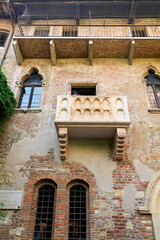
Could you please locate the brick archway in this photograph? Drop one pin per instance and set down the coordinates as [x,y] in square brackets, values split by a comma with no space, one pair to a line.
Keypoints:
[61,174]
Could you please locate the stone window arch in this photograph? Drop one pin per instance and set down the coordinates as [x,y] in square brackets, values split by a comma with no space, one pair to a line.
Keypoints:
[3,37]
[30,90]
[45,210]
[78,210]
[152,203]
[152,80]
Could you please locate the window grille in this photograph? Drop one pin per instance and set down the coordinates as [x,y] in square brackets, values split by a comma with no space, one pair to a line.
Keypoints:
[78,213]
[70,31]
[3,38]
[31,92]
[45,213]
[153,89]
[41,32]
[138,32]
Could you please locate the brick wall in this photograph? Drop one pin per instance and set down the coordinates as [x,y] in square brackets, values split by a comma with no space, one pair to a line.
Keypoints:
[112,214]
[43,168]
[108,217]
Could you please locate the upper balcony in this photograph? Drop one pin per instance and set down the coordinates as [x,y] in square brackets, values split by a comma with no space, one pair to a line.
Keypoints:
[92,117]
[96,39]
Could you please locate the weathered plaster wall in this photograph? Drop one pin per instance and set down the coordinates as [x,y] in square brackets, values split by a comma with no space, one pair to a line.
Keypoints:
[35,132]
[95,155]
[120,186]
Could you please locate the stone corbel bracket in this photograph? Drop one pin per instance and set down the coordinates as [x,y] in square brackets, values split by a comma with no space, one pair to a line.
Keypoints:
[63,140]
[120,137]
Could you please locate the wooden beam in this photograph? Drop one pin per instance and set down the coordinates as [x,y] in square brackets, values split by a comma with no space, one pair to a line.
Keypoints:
[17,52]
[90,52]
[131,52]
[52,53]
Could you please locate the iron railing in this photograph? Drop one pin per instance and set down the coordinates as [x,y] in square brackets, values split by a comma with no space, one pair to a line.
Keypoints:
[51,30]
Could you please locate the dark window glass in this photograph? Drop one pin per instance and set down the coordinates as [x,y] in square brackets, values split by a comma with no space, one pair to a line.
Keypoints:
[70,33]
[45,213]
[153,89]
[77,213]
[41,32]
[31,92]
[84,91]
[3,38]
[138,32]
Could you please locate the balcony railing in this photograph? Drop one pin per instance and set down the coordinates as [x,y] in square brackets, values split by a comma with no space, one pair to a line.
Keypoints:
[102,31]
[92,117]
[92,109]
[92,38]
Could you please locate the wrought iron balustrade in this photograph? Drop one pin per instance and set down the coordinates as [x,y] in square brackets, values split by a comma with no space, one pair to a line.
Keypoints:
[84,31]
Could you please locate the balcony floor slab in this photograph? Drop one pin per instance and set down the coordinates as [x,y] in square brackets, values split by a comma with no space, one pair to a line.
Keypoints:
[38,48]
[91,132]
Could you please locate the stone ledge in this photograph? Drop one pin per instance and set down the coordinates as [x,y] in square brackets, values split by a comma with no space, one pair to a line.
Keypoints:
[144,210]
[28,110]
[154,110]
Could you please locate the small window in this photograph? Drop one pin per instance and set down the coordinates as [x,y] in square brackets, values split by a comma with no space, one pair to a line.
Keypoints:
[78,213]
[45,212]
[42,32]
[83,90]
[3,38]
[138,32]
[70,31]
[31,92]
[153,89]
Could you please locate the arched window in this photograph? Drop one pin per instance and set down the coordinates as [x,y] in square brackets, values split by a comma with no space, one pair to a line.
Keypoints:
[3,38]
[45,212]
[78,212]
[153,89]
[31,92]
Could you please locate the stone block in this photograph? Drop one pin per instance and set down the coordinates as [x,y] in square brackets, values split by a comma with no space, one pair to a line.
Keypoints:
[129,225]
[118,193]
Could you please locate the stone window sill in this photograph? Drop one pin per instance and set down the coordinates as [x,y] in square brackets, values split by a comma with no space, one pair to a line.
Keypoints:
[28,110]
[154,110]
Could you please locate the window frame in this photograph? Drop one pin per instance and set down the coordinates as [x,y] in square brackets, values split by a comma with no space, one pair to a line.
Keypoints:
[31,95]
[86,186]
[153,85]
[33,86]
[41,31]
[139,31]
[5,41]
[70,31]
[83,85]
[155,94]
[54,205]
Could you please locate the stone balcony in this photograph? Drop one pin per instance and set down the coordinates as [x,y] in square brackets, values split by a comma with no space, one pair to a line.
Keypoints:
[92,117]
[71,41]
